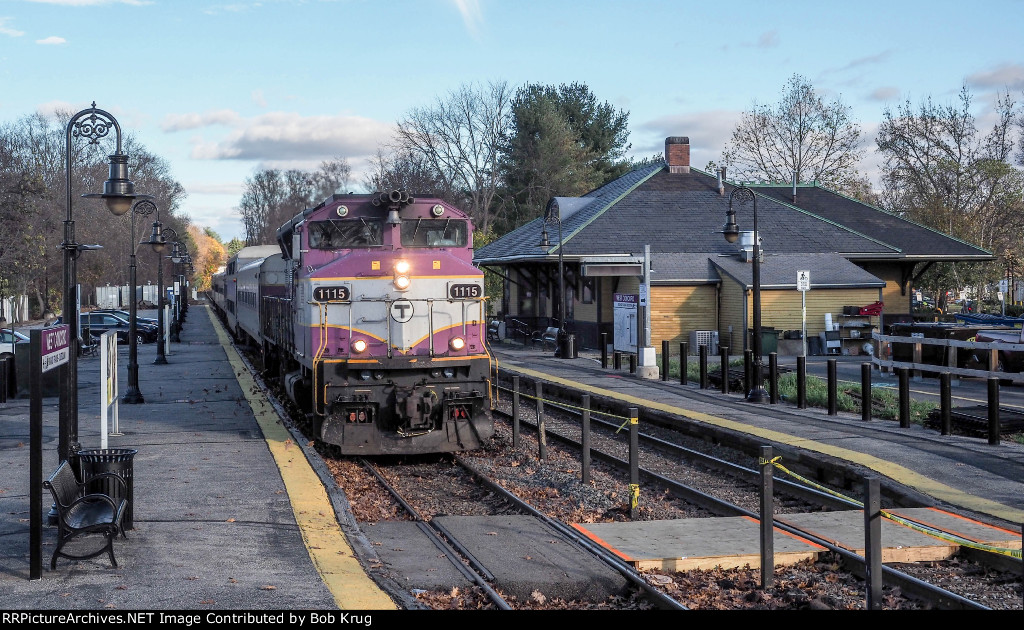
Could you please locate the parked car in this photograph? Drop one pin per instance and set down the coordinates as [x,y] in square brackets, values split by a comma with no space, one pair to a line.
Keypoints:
[125,315]
[8,338]
[99,323]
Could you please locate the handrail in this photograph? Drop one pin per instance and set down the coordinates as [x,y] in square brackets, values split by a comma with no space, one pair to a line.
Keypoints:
[993,348]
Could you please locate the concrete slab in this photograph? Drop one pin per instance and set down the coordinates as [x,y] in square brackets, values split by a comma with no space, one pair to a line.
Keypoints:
[410,559]
[545,561]
[697,543]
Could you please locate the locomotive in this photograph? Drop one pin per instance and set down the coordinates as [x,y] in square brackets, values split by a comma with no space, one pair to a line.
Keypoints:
[371,315]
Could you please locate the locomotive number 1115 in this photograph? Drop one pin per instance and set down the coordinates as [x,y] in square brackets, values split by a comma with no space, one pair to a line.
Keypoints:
[331,294]
[462,291]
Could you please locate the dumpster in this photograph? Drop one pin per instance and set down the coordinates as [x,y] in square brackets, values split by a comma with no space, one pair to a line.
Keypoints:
[769,340]
[119,461]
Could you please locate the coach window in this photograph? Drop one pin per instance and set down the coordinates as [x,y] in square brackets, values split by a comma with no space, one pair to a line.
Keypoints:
[345,234]
[434,233]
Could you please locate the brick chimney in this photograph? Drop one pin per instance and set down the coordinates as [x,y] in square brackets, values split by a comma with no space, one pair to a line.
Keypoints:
[677,154]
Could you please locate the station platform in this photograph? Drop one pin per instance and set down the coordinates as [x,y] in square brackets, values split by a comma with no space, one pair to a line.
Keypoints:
[229,514]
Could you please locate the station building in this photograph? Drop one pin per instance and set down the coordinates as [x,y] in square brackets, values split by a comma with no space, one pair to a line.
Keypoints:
[670,216]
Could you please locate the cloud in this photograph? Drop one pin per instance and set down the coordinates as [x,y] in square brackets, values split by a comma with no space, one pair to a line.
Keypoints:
[182,122]
[769,39]
[52,41]
[92,3]
[284,137]
[258,98]
[884,94]
[1008,76]
[6,30]
[472,15]
[708,132]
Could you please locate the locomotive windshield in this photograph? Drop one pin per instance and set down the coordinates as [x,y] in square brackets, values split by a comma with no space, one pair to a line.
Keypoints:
[345,234]
[434,233]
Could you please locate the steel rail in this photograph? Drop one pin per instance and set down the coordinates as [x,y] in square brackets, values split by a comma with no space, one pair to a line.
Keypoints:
[440,538]
[908,583]
[627,571]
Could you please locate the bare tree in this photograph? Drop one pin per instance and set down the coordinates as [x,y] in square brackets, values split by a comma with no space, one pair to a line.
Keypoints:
[941,171]
[459,137]
[801,136]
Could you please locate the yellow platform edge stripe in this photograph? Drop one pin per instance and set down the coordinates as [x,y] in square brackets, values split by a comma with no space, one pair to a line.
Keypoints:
[323,537]
[893,471]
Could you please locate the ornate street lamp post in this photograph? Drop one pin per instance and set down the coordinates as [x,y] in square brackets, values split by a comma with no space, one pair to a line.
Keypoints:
[176,258]
[158,240]
[118,193]
[731,231]
[134,396]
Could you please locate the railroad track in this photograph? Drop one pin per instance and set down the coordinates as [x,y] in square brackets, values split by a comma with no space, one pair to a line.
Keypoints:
[567,431]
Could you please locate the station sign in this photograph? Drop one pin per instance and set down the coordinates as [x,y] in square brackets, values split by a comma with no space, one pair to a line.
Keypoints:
[54,347]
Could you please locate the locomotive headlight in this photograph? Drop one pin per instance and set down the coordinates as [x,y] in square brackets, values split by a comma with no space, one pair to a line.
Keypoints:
[359,346]
[365,375]
[449,372]
[402,280]
[437,210]
[457,343]
[435,373]
[342,211]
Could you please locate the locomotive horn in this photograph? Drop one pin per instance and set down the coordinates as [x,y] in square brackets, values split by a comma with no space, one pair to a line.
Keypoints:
[396,196]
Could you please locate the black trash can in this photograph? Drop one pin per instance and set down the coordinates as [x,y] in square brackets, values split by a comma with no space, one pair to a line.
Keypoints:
[119,461]
[567,346]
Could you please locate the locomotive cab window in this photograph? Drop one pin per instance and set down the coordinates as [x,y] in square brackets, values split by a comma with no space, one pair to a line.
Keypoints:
[434,233]
[345,234]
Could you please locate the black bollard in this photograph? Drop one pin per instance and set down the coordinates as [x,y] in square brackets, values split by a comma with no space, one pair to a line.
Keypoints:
[801,382]
[832,384]
[773,378]
[542,438]
[702,358]
[664,360]
[904,398]
[945,404]
[634,461]
[515,412]
[617,360]
[585,437]
[873,542]
[604,351]
[767,517]
[724,358]
[632,364]
[993,410]
[683,349]
[865,392]
[748,370]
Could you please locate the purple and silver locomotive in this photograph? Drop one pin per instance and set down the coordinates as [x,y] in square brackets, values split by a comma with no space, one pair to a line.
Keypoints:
[372,316]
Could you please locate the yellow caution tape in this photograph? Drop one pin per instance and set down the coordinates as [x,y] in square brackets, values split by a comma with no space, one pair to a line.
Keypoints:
[924,529]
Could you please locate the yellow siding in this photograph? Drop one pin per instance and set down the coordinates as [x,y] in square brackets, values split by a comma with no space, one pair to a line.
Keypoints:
[675,311]
[731,315]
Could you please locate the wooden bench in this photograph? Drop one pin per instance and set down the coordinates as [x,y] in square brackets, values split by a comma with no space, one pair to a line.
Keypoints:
[80,512]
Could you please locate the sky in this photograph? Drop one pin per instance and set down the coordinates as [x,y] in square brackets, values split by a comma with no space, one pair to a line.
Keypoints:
[220,90]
